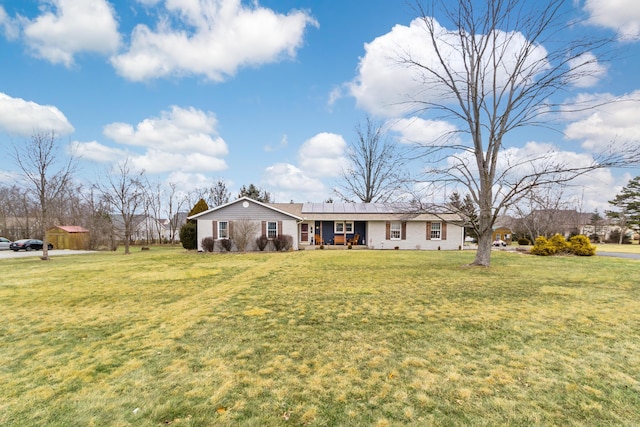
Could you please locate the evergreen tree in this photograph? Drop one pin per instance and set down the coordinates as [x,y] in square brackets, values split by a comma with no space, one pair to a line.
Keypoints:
[255,193]
[627,204]
[467,210]
[201,206]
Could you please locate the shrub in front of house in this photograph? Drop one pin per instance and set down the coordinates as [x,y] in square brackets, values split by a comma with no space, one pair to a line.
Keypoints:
[189,236]
[226,244]
[543,247]
[559,243]
[282,242]
[581,246]
[208,244]
[523,241]
[577,245]
[262,242]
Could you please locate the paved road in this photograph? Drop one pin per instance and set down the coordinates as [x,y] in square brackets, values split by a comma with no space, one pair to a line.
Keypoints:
[619,255]
[53,252]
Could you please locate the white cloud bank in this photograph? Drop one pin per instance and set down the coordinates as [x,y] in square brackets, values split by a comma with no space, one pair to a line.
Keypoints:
[610,120]
[386,87]
[622,16]
[181,139]
[21,117]
[320,157]
[69,27]
[212,38]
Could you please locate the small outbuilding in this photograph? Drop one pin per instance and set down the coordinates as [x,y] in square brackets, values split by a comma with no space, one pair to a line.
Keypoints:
[68,237]
[502,233]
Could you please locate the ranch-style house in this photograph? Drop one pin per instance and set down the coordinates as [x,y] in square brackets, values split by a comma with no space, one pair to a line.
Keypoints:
[373,225]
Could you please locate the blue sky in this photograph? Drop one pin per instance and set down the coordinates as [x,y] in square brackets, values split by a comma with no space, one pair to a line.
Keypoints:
[265,92]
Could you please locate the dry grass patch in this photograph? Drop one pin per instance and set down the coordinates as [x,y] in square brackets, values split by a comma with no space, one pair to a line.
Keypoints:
[319,338]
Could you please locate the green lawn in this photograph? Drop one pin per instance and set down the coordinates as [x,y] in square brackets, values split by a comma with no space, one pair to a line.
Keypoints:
[319,338]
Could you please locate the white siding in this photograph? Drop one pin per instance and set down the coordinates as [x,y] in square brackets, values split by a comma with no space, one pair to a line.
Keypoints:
[416,237]
[290,227]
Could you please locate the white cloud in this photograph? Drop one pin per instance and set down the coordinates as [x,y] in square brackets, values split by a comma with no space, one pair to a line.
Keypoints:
[586,192]
[69,27]
[425,132]
[21,117]
[386,87]
[319,157]
[610,120]
[587,70]
[185,180]
[97,152]
[622,16]
[182,139]
[10,26]
[291,183]
[177,131]
[323,155]
[212,38]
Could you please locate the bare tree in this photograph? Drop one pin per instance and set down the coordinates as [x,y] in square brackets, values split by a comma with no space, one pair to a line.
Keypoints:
[495,73]
[124,192]
[244,232]
[543,211]
[374,171]
[175,202]
[219,194]
[46,175]
[153,205]
[17,209]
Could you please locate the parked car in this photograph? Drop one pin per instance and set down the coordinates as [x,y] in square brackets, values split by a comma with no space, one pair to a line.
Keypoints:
[28,245]
[4,243]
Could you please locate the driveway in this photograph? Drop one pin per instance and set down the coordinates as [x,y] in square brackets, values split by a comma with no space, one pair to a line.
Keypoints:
[619,255]
[53,252]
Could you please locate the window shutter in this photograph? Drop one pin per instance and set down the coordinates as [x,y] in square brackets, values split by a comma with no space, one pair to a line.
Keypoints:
[428,231]
[230,229]
[443,234]
[403,236]
[388,232]
[214,229]
[264,228]
[279,231]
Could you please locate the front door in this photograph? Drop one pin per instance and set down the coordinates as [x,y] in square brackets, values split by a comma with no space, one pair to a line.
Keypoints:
[304,233]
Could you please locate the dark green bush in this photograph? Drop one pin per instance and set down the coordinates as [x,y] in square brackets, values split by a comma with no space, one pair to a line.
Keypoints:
[189,236]
[523,241]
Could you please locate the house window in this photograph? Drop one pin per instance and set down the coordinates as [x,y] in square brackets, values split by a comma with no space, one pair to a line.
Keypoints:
[396,230]
[343,227]
[272,229]
[436,230]
[223,229]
